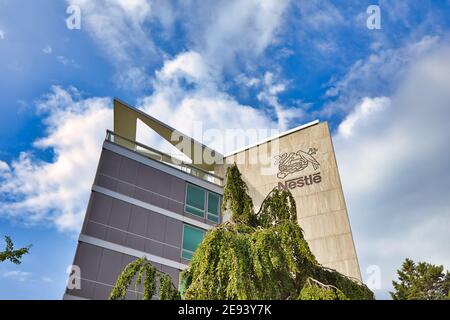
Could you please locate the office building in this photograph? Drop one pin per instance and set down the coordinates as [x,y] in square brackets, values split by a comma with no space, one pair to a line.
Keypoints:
[145,203]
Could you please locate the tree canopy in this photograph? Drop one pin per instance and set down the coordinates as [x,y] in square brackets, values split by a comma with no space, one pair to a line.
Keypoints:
[255,255]
[421,281]
[261,255]
[142,272]
[15,256]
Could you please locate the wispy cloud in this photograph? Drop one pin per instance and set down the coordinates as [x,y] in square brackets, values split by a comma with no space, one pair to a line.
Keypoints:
[17,275]
[378,74]
[392,153]
[56,192]
[47,49]
[67,61]
[4,166]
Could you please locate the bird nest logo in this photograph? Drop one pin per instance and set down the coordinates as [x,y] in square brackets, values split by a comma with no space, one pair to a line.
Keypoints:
[291,162]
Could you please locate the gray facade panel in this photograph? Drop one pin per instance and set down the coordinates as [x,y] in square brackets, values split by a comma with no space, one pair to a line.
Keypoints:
[138,222]
[100,269]
[120,215]
[110,267]
[101,208]
[86,290]
[106,182]
[143,195]
[172,253]
[154,247]
[96,230]
[128,170]
[101,292]
[110,163]
[144,183]
[125,188]
[88,258]
[159,201]
[128,224]
[135,242]
[134,227]
[173,232]
[116,236]
[156,226]
[177,189]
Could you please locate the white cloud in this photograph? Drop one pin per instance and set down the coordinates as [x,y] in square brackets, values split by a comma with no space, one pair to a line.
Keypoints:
[56,191]
[271,88]
[394,157]
[234,29]
[367,110]
[186,95]
[66,61]
[377,75]
[318,15]
[47,49]
[18,275]
[221,31]
[119,28]
[2,34]
[3,166]
[187,91]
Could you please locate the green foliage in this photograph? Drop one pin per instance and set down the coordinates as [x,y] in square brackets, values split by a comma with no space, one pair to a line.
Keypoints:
[352,288]
[261,255]
[167,289]
[15,256]
[236,199]
[281,207]
[146,274]
[242,262]
[421,281]
[315,290]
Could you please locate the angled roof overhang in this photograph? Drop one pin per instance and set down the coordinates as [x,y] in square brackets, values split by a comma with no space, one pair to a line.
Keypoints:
[125,125]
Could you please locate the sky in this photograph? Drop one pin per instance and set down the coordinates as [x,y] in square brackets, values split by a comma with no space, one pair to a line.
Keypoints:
[226,64]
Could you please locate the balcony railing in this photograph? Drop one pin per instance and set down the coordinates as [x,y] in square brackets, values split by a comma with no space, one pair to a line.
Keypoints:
[163,157]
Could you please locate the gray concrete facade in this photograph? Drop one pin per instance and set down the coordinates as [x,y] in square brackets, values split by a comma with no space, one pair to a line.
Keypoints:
[136,209]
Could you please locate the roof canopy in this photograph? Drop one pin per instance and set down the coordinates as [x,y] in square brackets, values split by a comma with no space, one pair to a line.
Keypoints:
[125,124]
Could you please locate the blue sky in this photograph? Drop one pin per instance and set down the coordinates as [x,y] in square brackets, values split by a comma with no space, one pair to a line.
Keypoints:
[228,64]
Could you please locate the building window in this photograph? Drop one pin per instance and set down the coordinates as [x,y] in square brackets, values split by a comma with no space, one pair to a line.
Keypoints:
[200,202]
[195,200]
[191,239]
[213,207]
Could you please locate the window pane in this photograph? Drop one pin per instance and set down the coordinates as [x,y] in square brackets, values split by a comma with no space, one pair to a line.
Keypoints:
[195,211]
[213,218]
[195,200]
[186,255]
[213,203]
[191,239]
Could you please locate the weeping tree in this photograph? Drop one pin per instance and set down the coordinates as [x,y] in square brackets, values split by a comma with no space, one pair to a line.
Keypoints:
[255,255]
[142,272]
[315,290]
[261,255]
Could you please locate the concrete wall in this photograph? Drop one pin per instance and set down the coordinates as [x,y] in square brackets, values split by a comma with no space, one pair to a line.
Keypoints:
[321,208]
